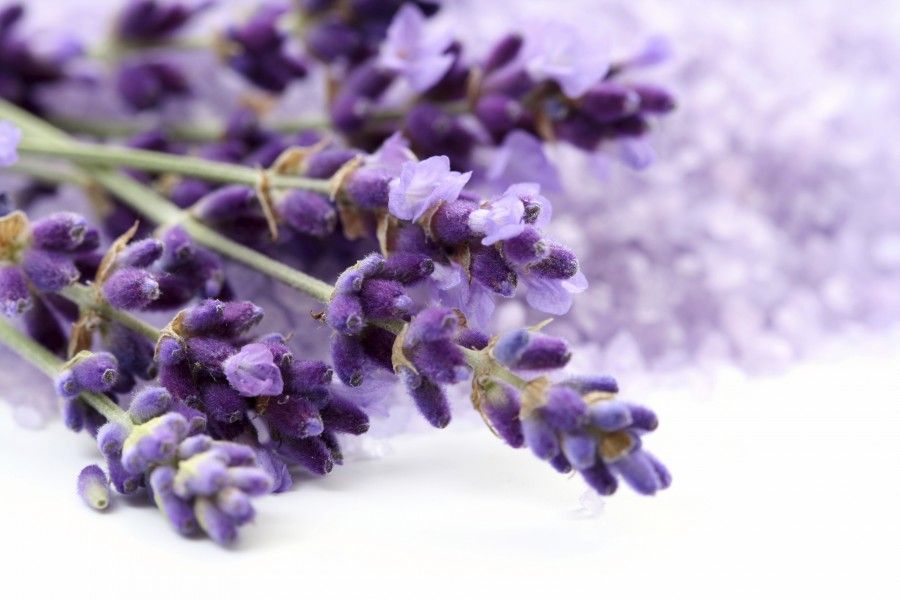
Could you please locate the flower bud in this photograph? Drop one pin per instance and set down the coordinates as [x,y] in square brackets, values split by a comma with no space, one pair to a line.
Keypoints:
[408,267]
[489,269]
[93,487]
[308,213]
[14,296]
[111,438]
[429,398]
[97,372]
[130,289]
[531,350]
[47,271]
[384,299]
[62,231]
[344,416]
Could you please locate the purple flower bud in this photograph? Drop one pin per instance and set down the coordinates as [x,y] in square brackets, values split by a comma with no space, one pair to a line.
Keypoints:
[351,280]
[93,487]
[353,103]
[178,247]
[274,467]
[254,481]
[331,39]
[421,185]
[408,267]
[149,403]
[564,409]
[489,269]
[642,418]
[305,375]
[561,263]
[561,464]
[111,438]
[529,350]
[308,213]
[130,289]
[123,481]
[472,339]
[226,204]
[433,131]
[14,296]
[219,526]
[503,52]
[201,475]
[450,223]
[600,479]
[44,327]
[431,324]
[195,444]
[223,403]
[179,511]
[610,416]
[642,472]
[526,248]
[310,453]
[540,437]
[345,315]
[351,364]
[253,372]
[654,99]
[499,114]
[368,188]
[47,271]
[235,504]
[96,373]
[429,398]
[238,318]
[384,299]
[294,417]
[441,361]
[344,416]
[203,318]
[141,254]
[147,85]
[196,420]
[501,408]
[209,354]
[150,20]
[235,454]
[62,231]
[595,383]
[580,450]
[608,101]
[325,163]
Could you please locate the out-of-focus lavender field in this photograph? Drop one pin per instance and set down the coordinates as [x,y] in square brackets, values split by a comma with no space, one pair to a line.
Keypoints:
[769,220]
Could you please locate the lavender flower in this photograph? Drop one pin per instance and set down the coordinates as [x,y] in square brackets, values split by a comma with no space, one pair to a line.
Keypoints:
[93,487]
[557,52]
[252,371]
[412,51]
[421,185]
[9,141]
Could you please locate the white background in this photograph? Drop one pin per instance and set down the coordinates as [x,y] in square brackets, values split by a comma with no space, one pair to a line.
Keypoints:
[784,487]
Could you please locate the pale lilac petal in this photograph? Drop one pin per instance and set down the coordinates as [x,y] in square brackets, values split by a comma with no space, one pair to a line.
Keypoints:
[637,152]
[421,185]
[415,51]
[252,372]
[548,295]
[558,52]
[521,157]
[393,153]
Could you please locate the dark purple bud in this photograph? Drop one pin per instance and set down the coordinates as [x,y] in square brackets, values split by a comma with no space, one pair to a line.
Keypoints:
[408,267]
[642,418]
[130,288]
[44,327]
[325,163]
[351,280]
[564,409]
[48,271]
[308,213]
[63,231]
[643,473]
[561,263]
[93,487]
[431,324]
[354,102]
[303,375]
[580,130]
[344,416]
[178,511]
[73,414]
[531,350]
[178,379]
[228,203]
[150,20]
[331,39]
[608,101]
[14,296]
[203,318]
[489,269]
[379,344]
[368,188]
[654,99]
[580,449]
[595,383]
[195,419]
[141,254]
[503,52]
[499,114]
[610,416]
[441,361]
[223,403]
[111,438]
[147,85]
[429,399]
[294,417]
[178,247]
[540,437]
[472,339]
[219,526]
[187,192]
[123,481]
[501,408]
[251,480]
[239,317]
[277,345]
[133,351]
[96,373]
[384,299]
[351,364]
[209,354]
[560,464]
[345,314]
[149,403]
[526,248]
[433,132]
[450,223]
[310,453]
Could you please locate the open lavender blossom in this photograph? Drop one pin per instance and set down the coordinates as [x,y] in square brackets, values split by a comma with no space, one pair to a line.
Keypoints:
[415,52]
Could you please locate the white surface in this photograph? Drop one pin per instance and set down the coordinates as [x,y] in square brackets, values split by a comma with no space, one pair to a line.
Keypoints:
[783,486]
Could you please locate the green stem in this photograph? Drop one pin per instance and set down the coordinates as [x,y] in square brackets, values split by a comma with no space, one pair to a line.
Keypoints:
[50,365]
[85,297]
[96,155]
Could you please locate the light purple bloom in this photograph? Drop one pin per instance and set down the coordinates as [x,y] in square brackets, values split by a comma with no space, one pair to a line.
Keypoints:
[521,157]
[558,52]
[636,152]
[553,296]
[393,153]
[421,185]
[414,51]
[10,135]
[253,371]
[456,291]
[504,217]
